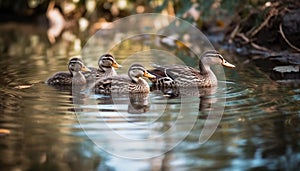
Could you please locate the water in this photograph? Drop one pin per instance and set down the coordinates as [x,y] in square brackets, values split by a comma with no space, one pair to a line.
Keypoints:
[43,129]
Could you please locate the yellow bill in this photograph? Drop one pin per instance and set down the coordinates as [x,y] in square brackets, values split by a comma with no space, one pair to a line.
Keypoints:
[227,64]
[148,75]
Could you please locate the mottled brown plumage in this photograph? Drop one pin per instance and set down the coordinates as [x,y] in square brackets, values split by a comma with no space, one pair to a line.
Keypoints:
[185,76]
[131,83]
[74,76]
[106,64]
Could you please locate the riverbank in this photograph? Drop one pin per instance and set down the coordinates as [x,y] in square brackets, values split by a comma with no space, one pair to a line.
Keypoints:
[268,35]
[265,32]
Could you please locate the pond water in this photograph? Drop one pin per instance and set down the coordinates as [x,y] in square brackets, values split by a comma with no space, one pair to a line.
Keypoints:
[43,128]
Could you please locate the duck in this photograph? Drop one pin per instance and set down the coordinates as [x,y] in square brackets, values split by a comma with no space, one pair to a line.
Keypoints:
[74,76]
[131,83]
[186,76]
[106,64]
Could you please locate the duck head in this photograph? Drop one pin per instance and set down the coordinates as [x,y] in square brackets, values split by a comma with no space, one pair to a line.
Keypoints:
[136,71]
[214,58]
[76,65]
[107,61]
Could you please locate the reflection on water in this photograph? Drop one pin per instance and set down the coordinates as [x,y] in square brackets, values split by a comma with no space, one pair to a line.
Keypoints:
[259,127]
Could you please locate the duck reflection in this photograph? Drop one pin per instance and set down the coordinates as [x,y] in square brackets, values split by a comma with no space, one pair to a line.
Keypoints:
[204,94]
[138,103]
[131,103]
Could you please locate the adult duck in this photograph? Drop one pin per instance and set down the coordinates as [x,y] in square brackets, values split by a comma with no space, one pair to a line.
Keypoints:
[185,76]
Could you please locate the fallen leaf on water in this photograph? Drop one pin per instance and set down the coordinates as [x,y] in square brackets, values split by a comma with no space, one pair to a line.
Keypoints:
[23,86]
[4,131]
[288,68]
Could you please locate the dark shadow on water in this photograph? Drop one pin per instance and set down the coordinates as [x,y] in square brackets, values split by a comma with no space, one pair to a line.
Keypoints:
[259,129]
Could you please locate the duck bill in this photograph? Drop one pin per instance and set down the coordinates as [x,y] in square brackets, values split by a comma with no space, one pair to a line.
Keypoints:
[116,65]
[148,75]
[85,69]
[227,64]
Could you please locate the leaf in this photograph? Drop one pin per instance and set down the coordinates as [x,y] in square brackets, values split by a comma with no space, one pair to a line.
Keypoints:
[23,86]
[288,68]
[4,131]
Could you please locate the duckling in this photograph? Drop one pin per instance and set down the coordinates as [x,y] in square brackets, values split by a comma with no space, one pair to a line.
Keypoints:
[131,83]
[74,76]
[106,64]
[185,76]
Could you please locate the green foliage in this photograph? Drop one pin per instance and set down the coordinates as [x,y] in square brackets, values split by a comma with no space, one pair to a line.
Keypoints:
[207,8]
[160,8]
[230,5]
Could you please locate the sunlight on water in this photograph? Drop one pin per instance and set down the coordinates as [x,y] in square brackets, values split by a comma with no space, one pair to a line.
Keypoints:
[43,129]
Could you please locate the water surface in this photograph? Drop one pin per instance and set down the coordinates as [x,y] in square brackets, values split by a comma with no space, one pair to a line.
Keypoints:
[42,128]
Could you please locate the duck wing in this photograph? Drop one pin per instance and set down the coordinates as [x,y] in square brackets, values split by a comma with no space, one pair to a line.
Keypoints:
[93,74]
[118,83]
[60,79]
[178,72]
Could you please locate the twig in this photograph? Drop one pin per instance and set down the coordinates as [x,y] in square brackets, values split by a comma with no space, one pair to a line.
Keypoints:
[256,46]
[246,39]
[272,13]
[233,33]
[286,40]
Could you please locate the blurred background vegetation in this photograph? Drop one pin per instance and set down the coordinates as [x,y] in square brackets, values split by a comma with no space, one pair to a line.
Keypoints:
[250,23]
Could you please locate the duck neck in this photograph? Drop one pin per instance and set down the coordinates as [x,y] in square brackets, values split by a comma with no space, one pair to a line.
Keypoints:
[204,69]
[140,81]
[107,69]
[134,79]
[78,78]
